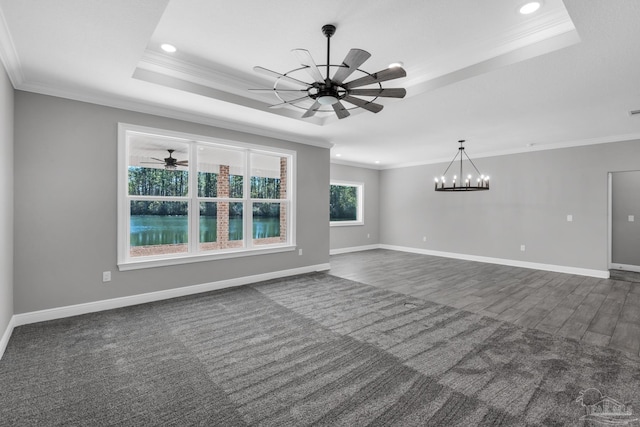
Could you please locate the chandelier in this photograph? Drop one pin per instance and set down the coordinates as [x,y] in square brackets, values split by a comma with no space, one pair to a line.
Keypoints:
[462,184]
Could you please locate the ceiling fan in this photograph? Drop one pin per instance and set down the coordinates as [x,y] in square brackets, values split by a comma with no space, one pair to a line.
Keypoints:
[169,162]
[331,91]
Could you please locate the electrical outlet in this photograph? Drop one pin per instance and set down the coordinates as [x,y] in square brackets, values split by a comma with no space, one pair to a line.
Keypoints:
[300,252]
[368,235]
[424,238]
[106,276]
[631,218]
[522,248]
[569,218]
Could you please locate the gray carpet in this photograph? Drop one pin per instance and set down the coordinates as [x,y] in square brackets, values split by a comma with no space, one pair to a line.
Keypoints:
[308,350]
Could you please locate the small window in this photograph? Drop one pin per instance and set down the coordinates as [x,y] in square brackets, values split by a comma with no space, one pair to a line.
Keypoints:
[346,203]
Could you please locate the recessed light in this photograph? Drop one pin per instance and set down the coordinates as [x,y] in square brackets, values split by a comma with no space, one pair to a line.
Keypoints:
[530,7]
[338,155]
[169,48]
[396,64]
[377,162]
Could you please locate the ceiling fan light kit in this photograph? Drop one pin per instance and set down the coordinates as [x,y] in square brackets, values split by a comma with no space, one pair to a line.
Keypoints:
[481,182]
[327,91]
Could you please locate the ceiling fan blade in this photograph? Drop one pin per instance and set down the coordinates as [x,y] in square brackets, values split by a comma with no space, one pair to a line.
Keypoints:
[380,76]
[277,90]
[182,163]
[270,73]
[153,163]
[354,59]
[341,112]
[385,93]
[371,106]
[312,110]
[282,104]
[155,158]
[306,60]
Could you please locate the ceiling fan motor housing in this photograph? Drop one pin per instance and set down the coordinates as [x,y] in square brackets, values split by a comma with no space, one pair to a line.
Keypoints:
[170,161]
[327,94]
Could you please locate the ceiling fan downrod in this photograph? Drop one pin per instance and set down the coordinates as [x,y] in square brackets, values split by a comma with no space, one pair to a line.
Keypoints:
[328,30]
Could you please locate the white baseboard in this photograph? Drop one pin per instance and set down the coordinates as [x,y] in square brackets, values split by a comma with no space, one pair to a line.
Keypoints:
[625,267]
[4,341]
[92,307]
[353,249]
[602,274]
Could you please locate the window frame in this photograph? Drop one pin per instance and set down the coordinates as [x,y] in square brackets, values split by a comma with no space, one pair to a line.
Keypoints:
[194,254]
[360,207]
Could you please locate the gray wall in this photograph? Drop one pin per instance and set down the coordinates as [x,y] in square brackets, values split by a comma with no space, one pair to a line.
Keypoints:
[625,242]
[531,195]
[65,207]
[356,235]
[6,201]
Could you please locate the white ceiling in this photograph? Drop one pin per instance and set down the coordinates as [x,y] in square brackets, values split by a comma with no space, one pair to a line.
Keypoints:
[567,75]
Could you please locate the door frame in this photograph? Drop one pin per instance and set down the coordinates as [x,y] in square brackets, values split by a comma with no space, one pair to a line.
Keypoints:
[610,264]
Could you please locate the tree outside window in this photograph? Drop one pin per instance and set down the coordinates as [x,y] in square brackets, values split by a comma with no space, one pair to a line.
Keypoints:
[345,203]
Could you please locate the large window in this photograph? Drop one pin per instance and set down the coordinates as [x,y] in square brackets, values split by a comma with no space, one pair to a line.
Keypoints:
[345,203]
[185,198]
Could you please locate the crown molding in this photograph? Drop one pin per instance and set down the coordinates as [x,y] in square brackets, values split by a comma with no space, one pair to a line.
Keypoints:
[164,64]
[162,111]
[548,25]
[9,54]
[531,148]
[520,43]
[174,69]
[355,164]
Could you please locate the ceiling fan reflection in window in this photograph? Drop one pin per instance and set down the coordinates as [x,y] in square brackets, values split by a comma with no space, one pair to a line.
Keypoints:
[326,91]
[170,163]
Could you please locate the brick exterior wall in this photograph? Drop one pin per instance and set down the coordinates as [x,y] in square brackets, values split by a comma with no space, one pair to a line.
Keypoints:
[223,207]
[283,195]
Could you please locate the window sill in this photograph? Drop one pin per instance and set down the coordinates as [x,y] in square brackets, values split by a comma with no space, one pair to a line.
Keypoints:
[345,223]
[186,259]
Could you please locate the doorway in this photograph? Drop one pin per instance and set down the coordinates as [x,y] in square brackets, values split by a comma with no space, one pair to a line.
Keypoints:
[624,221]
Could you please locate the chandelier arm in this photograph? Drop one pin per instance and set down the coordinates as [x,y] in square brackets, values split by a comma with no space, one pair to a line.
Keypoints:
[454,159]
[471,161]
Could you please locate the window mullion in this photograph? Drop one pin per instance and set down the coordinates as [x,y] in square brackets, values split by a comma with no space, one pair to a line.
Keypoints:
[194,202]
[248,206]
